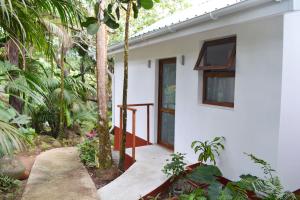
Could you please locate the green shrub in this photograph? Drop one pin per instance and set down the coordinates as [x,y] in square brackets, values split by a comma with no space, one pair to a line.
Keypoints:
[268,188]
[8,184]
[176,166]
[88,152]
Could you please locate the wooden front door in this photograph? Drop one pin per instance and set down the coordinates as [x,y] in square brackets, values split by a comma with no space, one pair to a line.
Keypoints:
[166,102]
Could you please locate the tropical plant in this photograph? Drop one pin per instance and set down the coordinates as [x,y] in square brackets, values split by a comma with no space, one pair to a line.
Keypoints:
[208,149]
[10,139]
[23,26]
[269,187]
[23,21]
[176,166]
[88,152]
[48,111]
[209,174]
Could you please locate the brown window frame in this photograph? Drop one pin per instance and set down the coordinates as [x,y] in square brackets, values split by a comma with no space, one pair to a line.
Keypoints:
[209,71]
[231,58]
[211,74]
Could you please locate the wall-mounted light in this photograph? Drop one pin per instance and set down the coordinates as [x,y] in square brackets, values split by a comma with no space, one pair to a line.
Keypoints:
[149,63]
[182,60]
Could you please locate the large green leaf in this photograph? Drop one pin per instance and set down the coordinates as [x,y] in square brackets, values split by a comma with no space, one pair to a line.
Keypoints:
[10,139]
[205,174]
[88,21]
[135,10]
[109,20]
[147,4]
[214,190]
[92,29]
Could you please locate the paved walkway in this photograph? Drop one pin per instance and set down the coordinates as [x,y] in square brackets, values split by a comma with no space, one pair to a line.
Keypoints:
[58,174]
[141,178]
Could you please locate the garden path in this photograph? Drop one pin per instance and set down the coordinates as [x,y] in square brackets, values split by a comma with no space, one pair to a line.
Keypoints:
[141,178]
[58,174]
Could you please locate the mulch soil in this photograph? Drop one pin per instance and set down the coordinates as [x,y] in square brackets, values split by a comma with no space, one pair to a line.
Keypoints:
[103,177]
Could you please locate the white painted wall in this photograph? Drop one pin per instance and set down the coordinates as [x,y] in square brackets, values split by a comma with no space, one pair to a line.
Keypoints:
[252,126]
[289,134]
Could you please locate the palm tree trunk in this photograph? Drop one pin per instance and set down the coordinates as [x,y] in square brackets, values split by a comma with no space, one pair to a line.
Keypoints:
[105,156]
[13,57]
[62,88]
[125,88]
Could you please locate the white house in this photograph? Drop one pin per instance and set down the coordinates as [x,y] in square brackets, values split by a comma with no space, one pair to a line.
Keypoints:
[226,68]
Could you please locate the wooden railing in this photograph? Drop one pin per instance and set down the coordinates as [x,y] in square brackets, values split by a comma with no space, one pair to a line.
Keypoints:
[130,107]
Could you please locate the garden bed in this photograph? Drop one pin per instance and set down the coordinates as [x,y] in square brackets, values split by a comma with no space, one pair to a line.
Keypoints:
[103,177]
[166,190]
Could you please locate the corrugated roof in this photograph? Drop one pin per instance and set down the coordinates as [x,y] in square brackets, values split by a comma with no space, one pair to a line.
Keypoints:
[203,8]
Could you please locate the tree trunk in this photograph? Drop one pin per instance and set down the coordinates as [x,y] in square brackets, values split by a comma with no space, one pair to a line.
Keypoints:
[13,57]
[62,88]
[105,156]
[125,88]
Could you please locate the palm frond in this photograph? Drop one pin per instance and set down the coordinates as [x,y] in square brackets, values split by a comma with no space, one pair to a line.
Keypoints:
[10,139]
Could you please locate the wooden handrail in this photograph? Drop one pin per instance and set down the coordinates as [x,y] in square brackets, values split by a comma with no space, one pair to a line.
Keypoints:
[134,110]
[141,104]
[128,108]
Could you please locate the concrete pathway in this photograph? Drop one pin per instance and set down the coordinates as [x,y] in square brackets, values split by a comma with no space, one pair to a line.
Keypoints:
[58,174]
[141,178]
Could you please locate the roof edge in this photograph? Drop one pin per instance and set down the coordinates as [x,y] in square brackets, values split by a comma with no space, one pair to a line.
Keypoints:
[243,5]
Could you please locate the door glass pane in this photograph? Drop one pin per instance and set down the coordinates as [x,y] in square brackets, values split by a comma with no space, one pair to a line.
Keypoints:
[220,89]
[168,86]
[167,128]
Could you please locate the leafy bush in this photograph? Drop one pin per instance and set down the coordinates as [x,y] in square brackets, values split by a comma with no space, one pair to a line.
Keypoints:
[88,153]
[176,166]
[29,135]
[208,149]
[268,188]
[8,184]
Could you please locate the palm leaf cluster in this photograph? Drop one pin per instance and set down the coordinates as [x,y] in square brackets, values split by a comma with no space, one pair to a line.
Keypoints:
[24,21]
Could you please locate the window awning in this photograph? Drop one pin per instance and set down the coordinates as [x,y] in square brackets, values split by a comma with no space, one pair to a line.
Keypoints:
[217,54]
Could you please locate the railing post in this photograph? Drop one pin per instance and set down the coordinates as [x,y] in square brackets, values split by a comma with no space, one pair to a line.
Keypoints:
[133,133]
[121,128]
[148,124]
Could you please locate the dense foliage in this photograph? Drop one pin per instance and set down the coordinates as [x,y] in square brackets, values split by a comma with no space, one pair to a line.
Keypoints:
[88,152]
[268,188]
[37,38]
[8,184]
[208,183]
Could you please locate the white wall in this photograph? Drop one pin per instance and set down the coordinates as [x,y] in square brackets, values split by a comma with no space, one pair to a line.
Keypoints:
[252,126]
[289,135]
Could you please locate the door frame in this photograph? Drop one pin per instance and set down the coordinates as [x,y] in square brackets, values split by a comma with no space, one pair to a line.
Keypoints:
[171,111]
